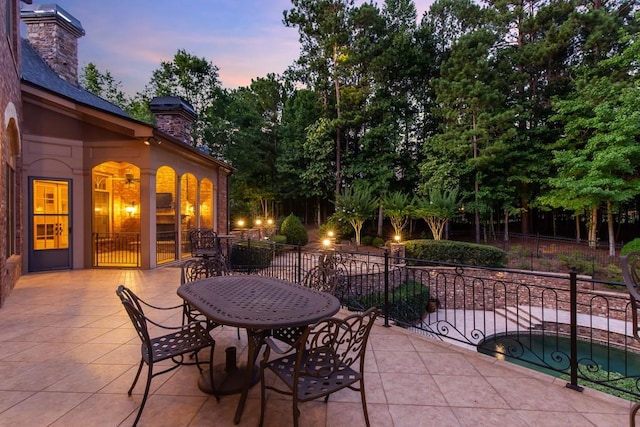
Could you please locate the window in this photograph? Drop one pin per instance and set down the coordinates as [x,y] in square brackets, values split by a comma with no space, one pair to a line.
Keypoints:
[11,211]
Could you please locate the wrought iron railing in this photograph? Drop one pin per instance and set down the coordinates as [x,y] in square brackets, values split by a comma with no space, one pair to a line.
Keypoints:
[166,246]
[116,249]
[522,316]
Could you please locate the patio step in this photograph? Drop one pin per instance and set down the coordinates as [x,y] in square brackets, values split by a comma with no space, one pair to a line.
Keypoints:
[521,316]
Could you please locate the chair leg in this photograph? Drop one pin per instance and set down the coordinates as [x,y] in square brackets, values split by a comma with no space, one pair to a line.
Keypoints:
[364,403]
[135,380]
[296,411]
[632,416]
[263,396]
[146,394]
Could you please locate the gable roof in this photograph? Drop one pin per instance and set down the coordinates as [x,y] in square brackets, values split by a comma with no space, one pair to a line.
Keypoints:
[35,71]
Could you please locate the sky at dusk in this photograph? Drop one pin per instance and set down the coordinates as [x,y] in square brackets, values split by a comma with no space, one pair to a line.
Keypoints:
[245,39]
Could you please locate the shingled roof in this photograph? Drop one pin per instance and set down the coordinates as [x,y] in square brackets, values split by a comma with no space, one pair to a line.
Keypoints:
[36,72]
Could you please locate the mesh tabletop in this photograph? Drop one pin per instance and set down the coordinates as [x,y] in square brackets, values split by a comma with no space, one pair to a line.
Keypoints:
[258,302]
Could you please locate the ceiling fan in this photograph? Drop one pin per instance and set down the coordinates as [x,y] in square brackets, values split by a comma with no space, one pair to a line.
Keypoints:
[128,178]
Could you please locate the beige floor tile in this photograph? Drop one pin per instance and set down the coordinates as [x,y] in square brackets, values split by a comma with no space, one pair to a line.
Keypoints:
[89,378]
[411,380]
[412,416]
[482,417]
[100,410]
[401,362]
[391,342]
[554,418]
[467,391]
[448,364]
[41,409]
[10,398]
[409,389]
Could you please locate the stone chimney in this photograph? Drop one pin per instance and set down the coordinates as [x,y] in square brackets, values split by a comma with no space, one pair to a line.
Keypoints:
[54,33]
[174,116]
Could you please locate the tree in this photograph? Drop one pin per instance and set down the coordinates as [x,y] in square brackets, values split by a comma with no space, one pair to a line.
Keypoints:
[599,155]
[437,209]
[355,206]
[324,36]
[398,208]
[194,79]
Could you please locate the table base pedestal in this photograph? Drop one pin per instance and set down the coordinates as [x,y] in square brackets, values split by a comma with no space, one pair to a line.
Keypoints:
[227,382]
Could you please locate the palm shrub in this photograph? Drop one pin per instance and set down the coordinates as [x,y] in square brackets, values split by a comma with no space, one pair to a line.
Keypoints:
[355,206]
[437,209]
[294,230]
[398,208]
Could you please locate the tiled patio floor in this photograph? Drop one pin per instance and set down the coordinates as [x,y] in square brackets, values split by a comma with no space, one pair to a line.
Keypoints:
[68,355]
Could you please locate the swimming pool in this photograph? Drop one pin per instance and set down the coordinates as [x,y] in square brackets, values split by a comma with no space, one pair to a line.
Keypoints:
[551,353]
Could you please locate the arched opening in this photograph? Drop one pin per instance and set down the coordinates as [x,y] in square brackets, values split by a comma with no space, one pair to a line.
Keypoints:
[188,201]
[116,214]
[206,210]
[166,226]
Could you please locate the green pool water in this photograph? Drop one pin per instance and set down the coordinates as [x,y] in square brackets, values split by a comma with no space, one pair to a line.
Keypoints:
[550,353]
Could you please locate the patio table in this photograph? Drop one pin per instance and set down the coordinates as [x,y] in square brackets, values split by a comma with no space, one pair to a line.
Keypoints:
[258,304]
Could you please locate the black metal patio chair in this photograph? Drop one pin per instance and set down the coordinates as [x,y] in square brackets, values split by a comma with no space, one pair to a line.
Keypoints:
[329,356]
[631,276]
[186,339]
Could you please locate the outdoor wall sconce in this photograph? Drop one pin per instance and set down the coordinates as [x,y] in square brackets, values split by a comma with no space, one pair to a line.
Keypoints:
[130,209]
[189,209]
[152,140]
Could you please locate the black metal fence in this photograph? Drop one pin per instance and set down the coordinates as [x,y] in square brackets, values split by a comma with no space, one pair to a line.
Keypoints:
[545,253]
[564,324]
[116,250]
[166,246]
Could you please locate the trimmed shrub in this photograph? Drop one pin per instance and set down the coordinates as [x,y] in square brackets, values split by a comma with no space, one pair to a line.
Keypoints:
[367,240]
[248,256]
[407,302]
[631,246]
[456,252]
[294,230]
[279,239]
[378,242]
[578,261]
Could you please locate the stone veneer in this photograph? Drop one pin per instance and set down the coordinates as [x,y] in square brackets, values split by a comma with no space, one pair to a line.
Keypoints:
[11,123]
[55,38]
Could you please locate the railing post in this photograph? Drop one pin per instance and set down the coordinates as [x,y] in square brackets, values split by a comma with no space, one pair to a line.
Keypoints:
[299,264]
[249,257]
[573,286]
[386,288]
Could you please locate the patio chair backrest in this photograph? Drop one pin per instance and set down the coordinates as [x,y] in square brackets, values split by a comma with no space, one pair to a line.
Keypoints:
[134,310]
[200,268]
[631,276]
[333,344]
[203,238]
[324,279]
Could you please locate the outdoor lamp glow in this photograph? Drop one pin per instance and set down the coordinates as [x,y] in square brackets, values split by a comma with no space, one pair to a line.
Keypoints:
[258,222]
[270,221]
[240,223]
[397,238]
[326,243]
[330,233]
[130,209]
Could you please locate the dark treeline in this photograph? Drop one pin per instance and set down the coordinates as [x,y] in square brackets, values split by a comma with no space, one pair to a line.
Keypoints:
[530,108]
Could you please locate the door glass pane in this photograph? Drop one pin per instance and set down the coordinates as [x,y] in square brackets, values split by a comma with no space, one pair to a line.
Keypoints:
[50,214]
